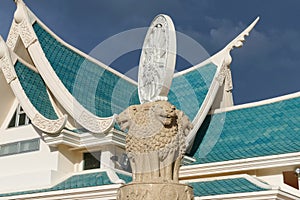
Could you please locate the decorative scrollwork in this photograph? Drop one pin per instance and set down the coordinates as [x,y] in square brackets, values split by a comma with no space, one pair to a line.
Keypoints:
[224,76]
[49,126]
[95,125]
[26,33]
[13,35]
[21,27]
[5,65]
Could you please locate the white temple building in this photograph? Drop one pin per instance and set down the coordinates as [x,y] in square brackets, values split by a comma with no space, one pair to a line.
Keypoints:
[59,139]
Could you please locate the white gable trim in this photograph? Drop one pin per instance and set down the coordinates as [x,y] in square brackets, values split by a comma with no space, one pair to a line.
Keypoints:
[222,60]
[7,61]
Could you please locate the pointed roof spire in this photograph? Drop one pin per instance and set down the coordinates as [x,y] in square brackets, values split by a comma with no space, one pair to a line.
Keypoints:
[18,1]
[19,14]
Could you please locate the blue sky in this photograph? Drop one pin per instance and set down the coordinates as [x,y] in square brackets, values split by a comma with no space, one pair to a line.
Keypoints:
[268,65]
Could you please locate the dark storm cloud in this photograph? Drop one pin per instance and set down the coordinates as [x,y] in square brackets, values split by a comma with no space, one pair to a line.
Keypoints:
[267,66]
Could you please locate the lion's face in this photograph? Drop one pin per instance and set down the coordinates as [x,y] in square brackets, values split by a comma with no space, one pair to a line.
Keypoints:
[124,119]
[165,113]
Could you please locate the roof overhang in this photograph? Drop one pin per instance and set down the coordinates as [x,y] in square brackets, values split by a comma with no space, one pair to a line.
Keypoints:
[85,140]
[265,162]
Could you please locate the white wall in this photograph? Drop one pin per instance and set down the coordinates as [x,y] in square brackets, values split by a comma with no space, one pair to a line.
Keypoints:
[27,170]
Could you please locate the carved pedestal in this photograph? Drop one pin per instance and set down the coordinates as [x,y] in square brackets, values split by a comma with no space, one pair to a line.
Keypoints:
[155,191]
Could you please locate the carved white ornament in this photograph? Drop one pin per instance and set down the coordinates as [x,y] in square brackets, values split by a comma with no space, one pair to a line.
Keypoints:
[224,77]
[157,61]
[21,27]
[95,125]
[49,126]
[5,62]
[13,36]
[9,74]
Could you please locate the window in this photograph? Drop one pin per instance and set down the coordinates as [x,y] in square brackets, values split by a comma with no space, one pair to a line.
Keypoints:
[91,160]
[19,147]
[20,118]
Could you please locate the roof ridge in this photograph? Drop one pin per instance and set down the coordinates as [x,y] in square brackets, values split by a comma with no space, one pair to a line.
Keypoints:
[257,103]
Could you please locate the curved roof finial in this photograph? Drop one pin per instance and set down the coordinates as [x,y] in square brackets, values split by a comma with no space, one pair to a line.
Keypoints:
[18,1]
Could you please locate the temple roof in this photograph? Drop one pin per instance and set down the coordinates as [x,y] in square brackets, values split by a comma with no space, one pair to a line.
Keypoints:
[259,129]
[91,93]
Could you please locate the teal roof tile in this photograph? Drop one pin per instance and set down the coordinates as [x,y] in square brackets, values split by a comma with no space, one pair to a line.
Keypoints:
[264,130]
[74,182]
[100,91]
[35,89]
[224,186]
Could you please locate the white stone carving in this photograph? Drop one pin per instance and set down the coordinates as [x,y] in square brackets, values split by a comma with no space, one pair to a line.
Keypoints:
[157,61]
[5,62]
[95,125]
[21,27]
[224,76]
[155,191]
[51,127]
[155,144]
[13,35]
[27,35]
[9,74]
[156,140]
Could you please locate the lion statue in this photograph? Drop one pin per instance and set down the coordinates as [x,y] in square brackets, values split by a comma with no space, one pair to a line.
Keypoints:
[155,141]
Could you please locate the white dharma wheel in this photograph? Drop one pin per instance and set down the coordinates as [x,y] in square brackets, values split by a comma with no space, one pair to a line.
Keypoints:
[157,61]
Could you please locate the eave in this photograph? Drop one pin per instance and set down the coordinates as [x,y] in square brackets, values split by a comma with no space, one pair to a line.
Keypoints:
[234,166]
[86,140]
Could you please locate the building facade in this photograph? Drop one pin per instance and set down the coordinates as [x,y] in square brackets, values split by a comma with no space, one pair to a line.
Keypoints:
[59,140]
